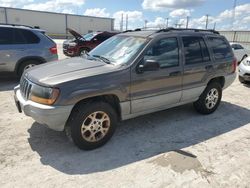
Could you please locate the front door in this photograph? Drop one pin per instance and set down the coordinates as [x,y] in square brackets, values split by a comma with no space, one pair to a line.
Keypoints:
[152,90]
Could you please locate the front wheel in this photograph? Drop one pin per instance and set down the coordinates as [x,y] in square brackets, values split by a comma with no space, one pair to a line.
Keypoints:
[209,99]
[92,124]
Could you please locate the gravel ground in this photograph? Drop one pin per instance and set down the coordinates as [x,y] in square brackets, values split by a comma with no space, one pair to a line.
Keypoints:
[172,148]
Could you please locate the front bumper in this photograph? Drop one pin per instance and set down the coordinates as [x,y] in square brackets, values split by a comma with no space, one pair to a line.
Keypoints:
[55,117]
[244,72]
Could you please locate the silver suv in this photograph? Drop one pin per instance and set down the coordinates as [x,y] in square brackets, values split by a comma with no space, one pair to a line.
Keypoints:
[22,47]
[128,75]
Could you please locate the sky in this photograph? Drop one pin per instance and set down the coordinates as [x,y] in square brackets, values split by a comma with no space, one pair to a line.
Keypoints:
[155,12]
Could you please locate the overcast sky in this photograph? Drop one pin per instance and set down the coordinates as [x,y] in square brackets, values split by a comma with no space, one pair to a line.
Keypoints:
[154,11]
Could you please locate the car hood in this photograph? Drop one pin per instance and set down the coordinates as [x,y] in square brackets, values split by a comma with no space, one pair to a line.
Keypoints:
[53,73]
[75,34]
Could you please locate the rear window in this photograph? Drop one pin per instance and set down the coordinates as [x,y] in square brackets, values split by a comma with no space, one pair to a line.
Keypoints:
[220,48]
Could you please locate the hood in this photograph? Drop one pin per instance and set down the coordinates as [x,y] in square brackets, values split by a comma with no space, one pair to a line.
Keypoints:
[53,73]
[75,34]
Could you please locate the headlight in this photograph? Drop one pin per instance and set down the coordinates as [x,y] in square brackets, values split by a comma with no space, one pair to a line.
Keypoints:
[246,62]
[72,44]
[43,95]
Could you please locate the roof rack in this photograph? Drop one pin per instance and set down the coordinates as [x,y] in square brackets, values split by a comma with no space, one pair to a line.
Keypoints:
[18,25]
[188,29]
[130,30]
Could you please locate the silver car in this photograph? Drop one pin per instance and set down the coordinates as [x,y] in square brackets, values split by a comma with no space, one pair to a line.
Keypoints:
[22,47]
[244,70]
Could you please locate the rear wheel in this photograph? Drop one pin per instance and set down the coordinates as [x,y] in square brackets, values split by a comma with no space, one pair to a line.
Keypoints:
[26,65]
[92,124]
[209,99]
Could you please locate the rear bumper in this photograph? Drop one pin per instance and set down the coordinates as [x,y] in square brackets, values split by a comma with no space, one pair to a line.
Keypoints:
[229,79]
[55,117]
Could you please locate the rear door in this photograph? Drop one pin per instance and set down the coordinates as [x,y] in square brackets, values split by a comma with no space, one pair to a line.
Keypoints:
[198,67]
[7,49]
[152,90]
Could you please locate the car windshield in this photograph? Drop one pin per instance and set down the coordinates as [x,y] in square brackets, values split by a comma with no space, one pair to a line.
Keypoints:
[119,49]
[89,36]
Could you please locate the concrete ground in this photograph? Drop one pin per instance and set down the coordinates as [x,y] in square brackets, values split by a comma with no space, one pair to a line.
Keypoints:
[172,148]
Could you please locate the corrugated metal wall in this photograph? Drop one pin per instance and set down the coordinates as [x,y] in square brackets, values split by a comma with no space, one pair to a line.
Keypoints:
[242,37]
[55,24]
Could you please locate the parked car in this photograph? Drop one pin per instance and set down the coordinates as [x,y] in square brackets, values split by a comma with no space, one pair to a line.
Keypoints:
[244,71]
[82,44]
[239,51]
[22,47]
[128,75]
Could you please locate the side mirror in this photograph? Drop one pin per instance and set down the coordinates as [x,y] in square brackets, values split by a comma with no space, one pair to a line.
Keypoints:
[149,65]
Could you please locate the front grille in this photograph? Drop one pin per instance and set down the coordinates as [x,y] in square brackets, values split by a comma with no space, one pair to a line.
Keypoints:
[25,87]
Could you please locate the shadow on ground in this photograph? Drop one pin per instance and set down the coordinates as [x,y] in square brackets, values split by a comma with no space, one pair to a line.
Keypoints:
[137,139]
[8,81]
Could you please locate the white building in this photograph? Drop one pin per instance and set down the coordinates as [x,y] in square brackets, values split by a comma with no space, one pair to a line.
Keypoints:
[55,24]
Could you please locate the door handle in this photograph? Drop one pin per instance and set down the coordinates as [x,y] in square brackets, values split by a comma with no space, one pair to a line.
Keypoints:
[176,73]
[209,67]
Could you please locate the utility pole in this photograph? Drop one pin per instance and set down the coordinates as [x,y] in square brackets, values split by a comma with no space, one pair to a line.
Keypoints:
[167,22]
[214,25]
[206,21]
[126,22]
[145,23]
[187,22]
[233,18]
[121,23]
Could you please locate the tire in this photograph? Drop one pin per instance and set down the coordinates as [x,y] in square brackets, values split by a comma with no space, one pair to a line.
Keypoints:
[207,106]
[25,65]
[86,129]
[83,50]
[241,79]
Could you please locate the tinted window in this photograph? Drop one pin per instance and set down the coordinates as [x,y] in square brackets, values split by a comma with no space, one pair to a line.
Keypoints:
[29,36]
[195,50]
[6,35]
[165,52]
[237,47]
[220,48]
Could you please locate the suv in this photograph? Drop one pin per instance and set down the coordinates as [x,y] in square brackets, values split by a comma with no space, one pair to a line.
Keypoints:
[22,47]
[81,44]
[129,75]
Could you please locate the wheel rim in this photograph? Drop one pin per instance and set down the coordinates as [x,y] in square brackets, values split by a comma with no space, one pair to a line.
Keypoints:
[83,52]
[212,98]
[29,66]
[95,127]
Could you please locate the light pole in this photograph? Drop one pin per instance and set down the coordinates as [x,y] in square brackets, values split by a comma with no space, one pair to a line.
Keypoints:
[233,17]
[206,21]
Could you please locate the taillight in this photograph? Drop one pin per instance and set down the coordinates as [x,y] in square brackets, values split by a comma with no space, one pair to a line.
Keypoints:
[53,50]
[234,65]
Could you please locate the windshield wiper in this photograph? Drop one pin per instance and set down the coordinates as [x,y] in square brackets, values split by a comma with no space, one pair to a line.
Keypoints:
[104,59]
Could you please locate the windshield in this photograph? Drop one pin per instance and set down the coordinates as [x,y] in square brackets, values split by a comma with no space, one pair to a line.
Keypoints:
[119,49]
[89,36]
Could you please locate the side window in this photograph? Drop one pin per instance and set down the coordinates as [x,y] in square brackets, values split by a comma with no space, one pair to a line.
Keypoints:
[221,49]
[6,36]
[18,37]
[29,37]
[239,47]
[165,51]
[195,50]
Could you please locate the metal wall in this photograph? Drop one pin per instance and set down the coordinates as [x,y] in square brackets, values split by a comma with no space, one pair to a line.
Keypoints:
[55,24]
[242,37]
